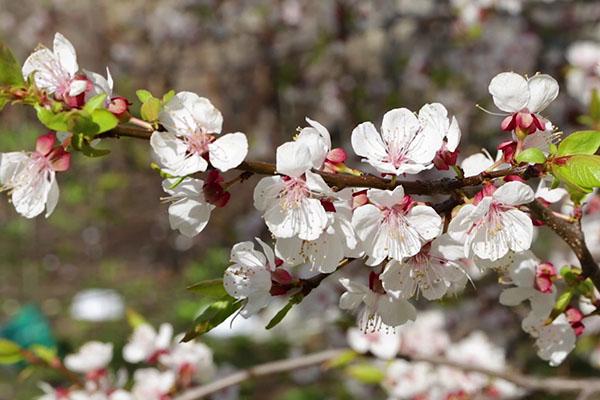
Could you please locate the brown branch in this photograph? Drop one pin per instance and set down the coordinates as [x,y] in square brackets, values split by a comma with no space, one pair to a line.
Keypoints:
[528,382]
[572,235]
[340,181]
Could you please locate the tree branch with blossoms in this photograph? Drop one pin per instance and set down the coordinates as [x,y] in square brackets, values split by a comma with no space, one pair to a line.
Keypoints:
[322,213]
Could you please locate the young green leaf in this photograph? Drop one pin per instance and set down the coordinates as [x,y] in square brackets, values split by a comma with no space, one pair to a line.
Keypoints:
[365,373]
[150,109]
[143,95]
[10,70]
[212,288]
[47,354]
[10,352]
[104,119]
[581,171]
[594,109]
[582,142]
[55,122]
[168,96]
[342,360]
[212,316]
[532,155]
[95,102]
[134,319]
[283,312]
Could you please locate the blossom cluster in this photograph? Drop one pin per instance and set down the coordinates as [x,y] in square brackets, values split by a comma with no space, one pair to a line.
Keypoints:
[428,337]
[410,246]
[168,366]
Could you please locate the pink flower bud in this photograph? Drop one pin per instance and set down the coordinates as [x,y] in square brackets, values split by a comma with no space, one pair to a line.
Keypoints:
[509,149]
[282,276]
[575,318]
[544,275]
[119,106]
[337,155]
[359,199]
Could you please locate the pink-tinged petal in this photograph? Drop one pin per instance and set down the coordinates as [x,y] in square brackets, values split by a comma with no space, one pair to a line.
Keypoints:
[509,91]
[44,143]
[543,89]
[509,123]
[60,159]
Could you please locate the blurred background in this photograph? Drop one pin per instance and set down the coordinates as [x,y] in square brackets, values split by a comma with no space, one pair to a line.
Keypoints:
[266,64]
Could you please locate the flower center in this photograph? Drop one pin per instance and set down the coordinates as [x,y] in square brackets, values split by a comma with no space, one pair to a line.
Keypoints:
[198,142]
[294,191]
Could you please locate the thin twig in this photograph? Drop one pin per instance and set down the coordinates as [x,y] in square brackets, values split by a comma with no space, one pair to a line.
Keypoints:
[552,385]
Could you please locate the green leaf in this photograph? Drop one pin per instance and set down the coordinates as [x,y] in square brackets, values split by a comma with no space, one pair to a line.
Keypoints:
[365,373]
[212,316]
[579,171]
[283,312]
[212,288]
[105,120]
[532,155]
[143,95]
[47,354]
[345,358]
[55,122]
[10,70]
[134,319]
[95,102]
[168,96]
[150,109]
[10,352]
[563,301]
[582,142]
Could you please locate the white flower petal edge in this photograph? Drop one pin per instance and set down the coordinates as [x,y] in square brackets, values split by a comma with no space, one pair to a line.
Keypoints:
[189,212]
[249,278]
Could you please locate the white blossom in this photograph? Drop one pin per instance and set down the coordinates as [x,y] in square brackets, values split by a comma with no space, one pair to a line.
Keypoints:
[380,309]
[495,225]
[430,272]
[554,341]
[56,71]
[192,124]
[249,278]
[336,242]
[383,344]
[407,144]
[513,93]
[152,384]
[189,212]
[146,344]
[291,204]
[391,225]
[193,358]
[31,177]
[92,356]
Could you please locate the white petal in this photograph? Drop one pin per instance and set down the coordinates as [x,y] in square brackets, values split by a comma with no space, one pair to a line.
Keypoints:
[509,91]
[65,53]
[395,312]
[171,155]
[434,119]
[514,194]
[268,252]
[543,89]
[290,250]
[397,280]
[386,198]
[306,221]
[77,87]
[367,142]
[316,184]
[399,125]
[453,135]
[426,221]
[189,216]
[266,192]
[293,159]
[228,151]
[322,131]
[461,223]
[476,164]
[514,296]
[187,112]
[49,74]
[52,200]
[519,229]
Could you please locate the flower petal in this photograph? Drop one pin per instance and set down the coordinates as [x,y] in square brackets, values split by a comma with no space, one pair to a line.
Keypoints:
[509,91]
[228,151]
[514,193]
[543,89]
[65,53]
[293,159]
[367,142]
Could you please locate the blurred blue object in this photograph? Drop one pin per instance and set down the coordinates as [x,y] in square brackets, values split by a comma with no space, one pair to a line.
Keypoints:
[29,327]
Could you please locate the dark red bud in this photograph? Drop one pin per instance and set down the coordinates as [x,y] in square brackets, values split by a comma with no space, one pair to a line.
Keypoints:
[328,205]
